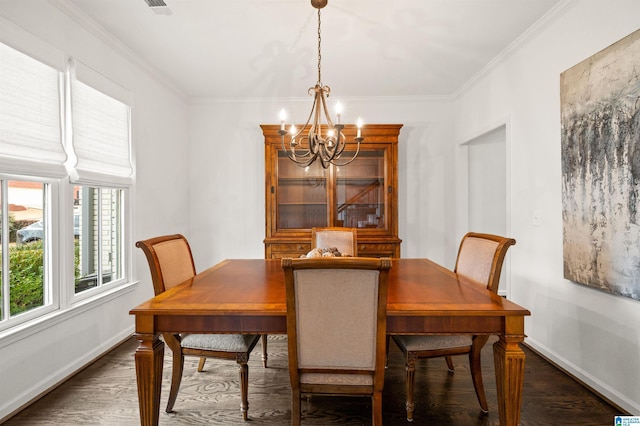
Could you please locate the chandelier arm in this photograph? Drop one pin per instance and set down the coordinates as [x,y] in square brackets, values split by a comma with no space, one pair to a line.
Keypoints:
[302,151]
[299,147]
[340,143]
[291,152]
[317,117]
[324,106]
[314,138]
[352,158]
[309,161]
[313,108]
[333,152]
[299,159]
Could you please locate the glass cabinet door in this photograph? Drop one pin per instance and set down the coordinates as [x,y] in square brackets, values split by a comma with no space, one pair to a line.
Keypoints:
[302,195]
[360,191]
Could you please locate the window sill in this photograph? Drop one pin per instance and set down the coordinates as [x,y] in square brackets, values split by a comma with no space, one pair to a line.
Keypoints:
[37,325]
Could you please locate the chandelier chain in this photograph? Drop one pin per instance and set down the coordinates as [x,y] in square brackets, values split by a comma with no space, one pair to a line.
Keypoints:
[319,53]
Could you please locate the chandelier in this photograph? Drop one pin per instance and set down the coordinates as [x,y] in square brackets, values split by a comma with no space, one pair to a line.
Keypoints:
[324,140]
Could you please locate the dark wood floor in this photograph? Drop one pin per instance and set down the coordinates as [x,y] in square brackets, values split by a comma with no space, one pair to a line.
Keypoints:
[105,394]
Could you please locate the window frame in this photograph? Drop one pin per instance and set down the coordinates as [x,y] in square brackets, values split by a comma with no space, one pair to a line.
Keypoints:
[60,294]
[51,252]
[124,243]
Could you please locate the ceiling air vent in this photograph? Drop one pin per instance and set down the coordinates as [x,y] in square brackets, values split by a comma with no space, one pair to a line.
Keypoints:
[159,7]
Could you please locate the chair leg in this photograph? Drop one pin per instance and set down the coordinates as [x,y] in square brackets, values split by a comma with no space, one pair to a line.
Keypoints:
[376,408]
[412,358]
[242,359]
[449,362]
[476,370]
[263,341]
[176,377]
[201,364]
[296,407]
[386,358]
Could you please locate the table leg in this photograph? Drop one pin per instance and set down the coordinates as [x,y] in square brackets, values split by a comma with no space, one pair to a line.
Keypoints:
[149,358]
[509,362]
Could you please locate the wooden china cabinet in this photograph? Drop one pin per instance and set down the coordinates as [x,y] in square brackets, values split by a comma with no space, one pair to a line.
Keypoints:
[362,194]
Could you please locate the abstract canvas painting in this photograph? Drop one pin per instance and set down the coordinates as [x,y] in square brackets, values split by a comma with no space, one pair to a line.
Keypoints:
[600,117]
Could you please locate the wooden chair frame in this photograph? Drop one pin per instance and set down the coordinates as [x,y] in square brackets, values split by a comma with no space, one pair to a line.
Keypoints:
[477,342]
[375,389]
[174,341]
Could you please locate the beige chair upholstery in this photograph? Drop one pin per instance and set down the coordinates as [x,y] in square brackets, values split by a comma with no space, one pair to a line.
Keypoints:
[480,259]
[344,239]
[171,263]
[336,327]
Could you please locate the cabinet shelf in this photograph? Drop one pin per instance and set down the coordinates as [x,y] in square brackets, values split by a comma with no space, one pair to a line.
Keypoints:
[364,179]
[301,203]
[304,182]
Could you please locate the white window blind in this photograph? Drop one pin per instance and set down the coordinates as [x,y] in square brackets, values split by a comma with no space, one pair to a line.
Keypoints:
[100,129]
[30,130]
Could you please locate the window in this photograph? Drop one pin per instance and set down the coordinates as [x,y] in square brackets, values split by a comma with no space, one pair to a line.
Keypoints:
[25,283]
[98,226]
[62,199]
[100,148]
[32,159]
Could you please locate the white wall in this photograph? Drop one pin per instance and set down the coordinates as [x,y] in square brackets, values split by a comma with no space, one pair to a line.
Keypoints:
[227,205]
[34,361]
[592,334]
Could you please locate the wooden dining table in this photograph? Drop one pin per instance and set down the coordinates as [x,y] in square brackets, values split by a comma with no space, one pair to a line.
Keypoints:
[248,296]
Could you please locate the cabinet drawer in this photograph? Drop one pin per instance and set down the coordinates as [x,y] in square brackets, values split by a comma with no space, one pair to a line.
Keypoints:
[278,251]
[376,247]
[300,248]
[282,255]
[377,250]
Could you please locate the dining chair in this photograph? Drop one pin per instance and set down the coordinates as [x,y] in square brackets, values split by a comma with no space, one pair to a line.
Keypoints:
[480,258]
[336,327]
[171,263]
[344,239]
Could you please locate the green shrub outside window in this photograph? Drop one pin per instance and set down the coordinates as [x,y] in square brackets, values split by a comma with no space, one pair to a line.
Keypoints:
[26,278]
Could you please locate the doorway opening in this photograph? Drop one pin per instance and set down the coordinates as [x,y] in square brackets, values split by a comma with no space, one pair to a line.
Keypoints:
[487,183]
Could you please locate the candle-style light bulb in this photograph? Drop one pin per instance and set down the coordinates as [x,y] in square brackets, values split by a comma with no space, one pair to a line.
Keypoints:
[292,130]
[338,111]
[283,116]
[359,125]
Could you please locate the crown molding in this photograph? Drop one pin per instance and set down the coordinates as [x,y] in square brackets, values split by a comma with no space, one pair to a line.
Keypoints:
[305,99]
[533,30]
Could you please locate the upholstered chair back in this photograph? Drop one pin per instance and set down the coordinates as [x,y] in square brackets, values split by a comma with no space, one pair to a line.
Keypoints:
[480,258]
[336,308]
[170,261]
[344,239]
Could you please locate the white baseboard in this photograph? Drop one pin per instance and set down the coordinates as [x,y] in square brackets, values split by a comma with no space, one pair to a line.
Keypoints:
[47,384]
[602,389]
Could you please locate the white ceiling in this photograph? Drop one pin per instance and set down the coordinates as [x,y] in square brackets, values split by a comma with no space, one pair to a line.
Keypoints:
[268,48]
